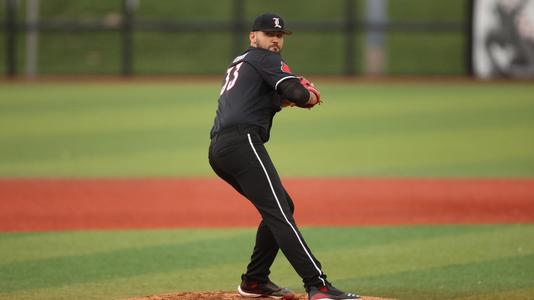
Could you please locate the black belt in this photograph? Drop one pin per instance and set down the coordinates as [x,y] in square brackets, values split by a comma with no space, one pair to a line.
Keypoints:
[240,129]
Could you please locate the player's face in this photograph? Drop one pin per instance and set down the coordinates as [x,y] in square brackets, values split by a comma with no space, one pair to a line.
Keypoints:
[272,41]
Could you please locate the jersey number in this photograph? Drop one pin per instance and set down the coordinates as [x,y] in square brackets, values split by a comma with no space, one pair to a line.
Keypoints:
[229,84]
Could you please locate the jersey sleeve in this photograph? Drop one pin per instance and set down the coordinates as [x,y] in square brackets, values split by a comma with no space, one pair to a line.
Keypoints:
[274,70]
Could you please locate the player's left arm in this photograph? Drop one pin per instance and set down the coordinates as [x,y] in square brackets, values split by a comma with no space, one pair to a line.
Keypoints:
[299,92]
[315,95]
[290,87]
[293,93]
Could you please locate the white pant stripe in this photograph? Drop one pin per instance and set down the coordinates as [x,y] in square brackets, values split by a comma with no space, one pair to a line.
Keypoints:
[282,211]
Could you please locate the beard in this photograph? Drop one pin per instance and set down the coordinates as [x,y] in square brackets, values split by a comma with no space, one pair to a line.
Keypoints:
[274,49]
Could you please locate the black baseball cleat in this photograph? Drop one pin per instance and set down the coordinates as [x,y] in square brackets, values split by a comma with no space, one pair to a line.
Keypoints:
[252,289]
[328,292]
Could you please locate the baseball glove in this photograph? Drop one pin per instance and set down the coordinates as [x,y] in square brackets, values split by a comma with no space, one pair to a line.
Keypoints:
[312,89]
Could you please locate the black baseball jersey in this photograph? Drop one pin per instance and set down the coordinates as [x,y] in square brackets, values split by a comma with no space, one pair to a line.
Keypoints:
[248,94]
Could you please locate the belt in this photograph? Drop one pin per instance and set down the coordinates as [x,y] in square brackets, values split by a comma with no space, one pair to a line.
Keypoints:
[240,129]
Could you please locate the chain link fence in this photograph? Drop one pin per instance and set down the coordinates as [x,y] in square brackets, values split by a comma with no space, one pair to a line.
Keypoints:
[131,37]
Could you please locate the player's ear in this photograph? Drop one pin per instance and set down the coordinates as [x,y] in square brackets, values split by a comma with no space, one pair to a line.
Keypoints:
[252,37]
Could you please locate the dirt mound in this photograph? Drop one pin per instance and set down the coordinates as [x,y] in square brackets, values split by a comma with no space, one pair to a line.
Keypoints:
[216,296]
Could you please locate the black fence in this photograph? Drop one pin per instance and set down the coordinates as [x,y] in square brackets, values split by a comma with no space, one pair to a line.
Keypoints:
[349,25]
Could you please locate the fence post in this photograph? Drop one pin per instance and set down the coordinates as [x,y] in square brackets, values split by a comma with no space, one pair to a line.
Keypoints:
[468,40]
[126,30]
[11,33]
[238,26]
[350,29]
[32,37]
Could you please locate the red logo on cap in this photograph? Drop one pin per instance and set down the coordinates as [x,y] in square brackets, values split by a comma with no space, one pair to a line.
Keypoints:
[285,68]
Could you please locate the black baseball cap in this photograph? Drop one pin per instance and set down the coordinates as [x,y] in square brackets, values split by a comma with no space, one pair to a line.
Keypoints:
[270,22]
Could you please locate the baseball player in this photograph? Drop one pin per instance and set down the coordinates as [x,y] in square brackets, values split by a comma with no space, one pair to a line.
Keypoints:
[257,84]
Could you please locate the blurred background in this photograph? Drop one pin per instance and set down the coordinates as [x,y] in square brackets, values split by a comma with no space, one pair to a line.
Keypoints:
[352,37]
[127,89]
[107,126]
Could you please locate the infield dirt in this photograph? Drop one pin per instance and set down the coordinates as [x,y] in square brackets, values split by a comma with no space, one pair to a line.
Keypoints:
[79,204]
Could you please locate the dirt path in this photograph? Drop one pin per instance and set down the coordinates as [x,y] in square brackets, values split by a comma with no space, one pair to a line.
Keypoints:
[77,204]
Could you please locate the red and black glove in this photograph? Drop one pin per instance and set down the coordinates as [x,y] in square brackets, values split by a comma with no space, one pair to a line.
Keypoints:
[312,89]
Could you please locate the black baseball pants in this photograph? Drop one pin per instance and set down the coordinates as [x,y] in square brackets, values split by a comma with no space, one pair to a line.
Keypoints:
[239,157]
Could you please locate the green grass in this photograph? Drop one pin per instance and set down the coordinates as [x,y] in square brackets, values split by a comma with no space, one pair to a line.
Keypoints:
[364,129]
[421,262]
[441,54]
[162,129]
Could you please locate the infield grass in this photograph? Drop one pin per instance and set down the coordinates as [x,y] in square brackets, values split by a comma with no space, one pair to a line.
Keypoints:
[421,262]
[162,129]
[132,129]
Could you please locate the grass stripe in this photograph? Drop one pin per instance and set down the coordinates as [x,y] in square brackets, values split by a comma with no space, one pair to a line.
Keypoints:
[415,254]
[387,261]
[42,246]
[524,294]
[119,263]
[453,281]
[219,277]
[161,129]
